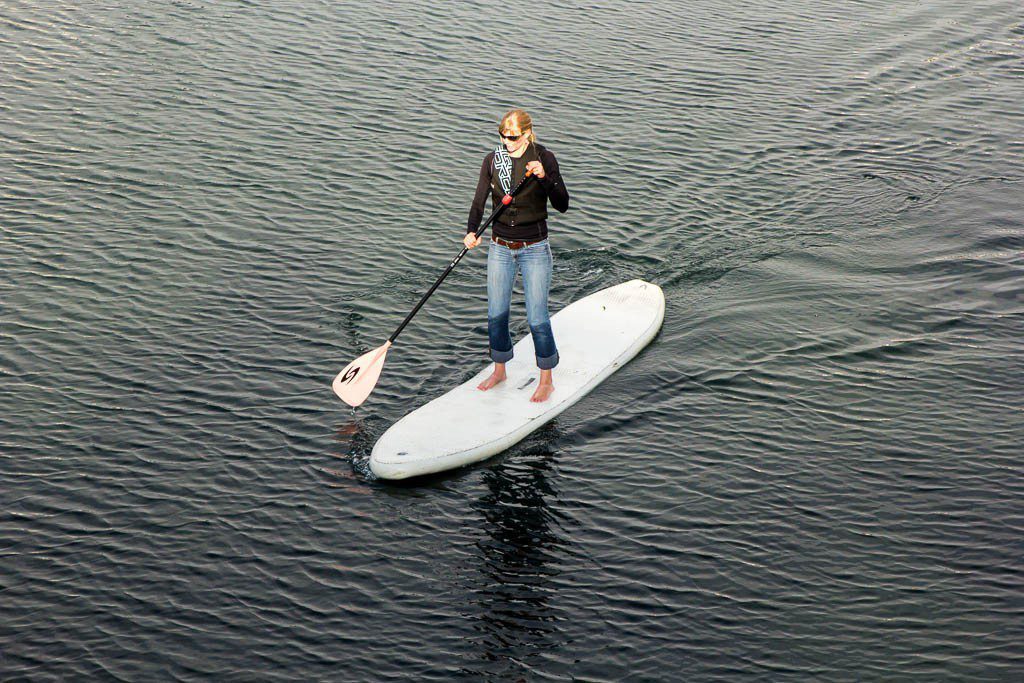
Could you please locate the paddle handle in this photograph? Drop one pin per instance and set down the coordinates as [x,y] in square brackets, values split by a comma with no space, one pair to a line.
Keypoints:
[506,200]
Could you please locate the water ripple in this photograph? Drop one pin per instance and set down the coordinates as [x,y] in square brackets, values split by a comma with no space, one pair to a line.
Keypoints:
[812,473]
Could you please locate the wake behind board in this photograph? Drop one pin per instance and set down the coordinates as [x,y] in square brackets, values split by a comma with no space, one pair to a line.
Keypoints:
[596,336]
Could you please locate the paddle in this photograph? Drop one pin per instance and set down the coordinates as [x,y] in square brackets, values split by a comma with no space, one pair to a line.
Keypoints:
[357,380]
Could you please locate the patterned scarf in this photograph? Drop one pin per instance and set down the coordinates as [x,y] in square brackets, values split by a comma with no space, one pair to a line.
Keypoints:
[503,164]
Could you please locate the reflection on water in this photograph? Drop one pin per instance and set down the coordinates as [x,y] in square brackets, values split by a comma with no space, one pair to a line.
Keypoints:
[514,620]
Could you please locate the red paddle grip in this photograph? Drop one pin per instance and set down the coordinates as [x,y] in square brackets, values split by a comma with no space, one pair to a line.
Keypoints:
[507,199]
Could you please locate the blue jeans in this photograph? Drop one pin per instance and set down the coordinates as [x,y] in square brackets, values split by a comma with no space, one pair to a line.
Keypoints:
[534,262]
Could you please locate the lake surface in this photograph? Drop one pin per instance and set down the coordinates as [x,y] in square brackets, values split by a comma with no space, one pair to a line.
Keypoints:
[814,472]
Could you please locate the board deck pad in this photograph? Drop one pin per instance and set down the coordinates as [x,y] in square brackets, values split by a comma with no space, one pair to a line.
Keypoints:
[596,335]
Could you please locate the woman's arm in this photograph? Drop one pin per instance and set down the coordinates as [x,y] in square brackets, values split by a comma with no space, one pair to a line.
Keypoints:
[552,182]
[483,187]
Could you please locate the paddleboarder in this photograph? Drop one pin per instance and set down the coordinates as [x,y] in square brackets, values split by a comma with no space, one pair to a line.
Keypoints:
[357,379]
[519,243]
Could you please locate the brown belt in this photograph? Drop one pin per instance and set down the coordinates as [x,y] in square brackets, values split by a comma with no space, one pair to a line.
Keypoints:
[511,244]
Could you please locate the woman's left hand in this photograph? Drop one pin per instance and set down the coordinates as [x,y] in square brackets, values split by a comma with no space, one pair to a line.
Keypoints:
[536,167]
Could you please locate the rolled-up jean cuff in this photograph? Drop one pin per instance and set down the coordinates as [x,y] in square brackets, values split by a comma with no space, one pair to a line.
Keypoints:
[501,356]
[547,363]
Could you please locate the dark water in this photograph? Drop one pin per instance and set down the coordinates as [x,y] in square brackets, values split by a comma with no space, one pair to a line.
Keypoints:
[814,473]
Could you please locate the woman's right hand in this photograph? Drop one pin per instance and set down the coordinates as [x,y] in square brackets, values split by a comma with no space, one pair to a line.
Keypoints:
[470,240]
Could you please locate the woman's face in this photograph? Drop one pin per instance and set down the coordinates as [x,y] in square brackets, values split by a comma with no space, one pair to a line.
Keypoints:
[512,130]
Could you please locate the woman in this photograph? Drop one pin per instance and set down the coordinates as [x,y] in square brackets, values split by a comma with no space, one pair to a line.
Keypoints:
[519,242]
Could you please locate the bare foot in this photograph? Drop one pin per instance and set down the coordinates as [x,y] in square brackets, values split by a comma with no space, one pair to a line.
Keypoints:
[496,377]
[543,393]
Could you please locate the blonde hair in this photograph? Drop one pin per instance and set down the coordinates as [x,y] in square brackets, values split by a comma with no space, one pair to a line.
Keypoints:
[522,119]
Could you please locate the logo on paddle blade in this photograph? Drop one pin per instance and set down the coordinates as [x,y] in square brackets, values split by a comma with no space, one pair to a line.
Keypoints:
[350,375]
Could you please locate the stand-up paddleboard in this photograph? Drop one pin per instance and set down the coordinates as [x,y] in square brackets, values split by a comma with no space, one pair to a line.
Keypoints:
[596,336]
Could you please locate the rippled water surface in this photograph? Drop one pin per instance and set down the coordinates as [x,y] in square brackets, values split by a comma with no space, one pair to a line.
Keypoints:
[813,473]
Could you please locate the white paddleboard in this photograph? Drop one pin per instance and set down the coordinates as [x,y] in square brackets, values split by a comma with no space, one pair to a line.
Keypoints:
[595,336]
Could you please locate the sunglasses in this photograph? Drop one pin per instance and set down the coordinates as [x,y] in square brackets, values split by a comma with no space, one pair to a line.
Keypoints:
[512,138]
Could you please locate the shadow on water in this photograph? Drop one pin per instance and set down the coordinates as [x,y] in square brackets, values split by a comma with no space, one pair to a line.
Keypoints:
[512,569]
[517,556]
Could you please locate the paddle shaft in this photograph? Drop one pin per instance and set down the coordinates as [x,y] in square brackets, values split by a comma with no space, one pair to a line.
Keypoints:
[451,266]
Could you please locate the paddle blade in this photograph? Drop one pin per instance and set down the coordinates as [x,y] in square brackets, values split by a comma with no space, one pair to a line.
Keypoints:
[357,380]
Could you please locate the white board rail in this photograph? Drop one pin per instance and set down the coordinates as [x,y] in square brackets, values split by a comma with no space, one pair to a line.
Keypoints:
[595,335]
